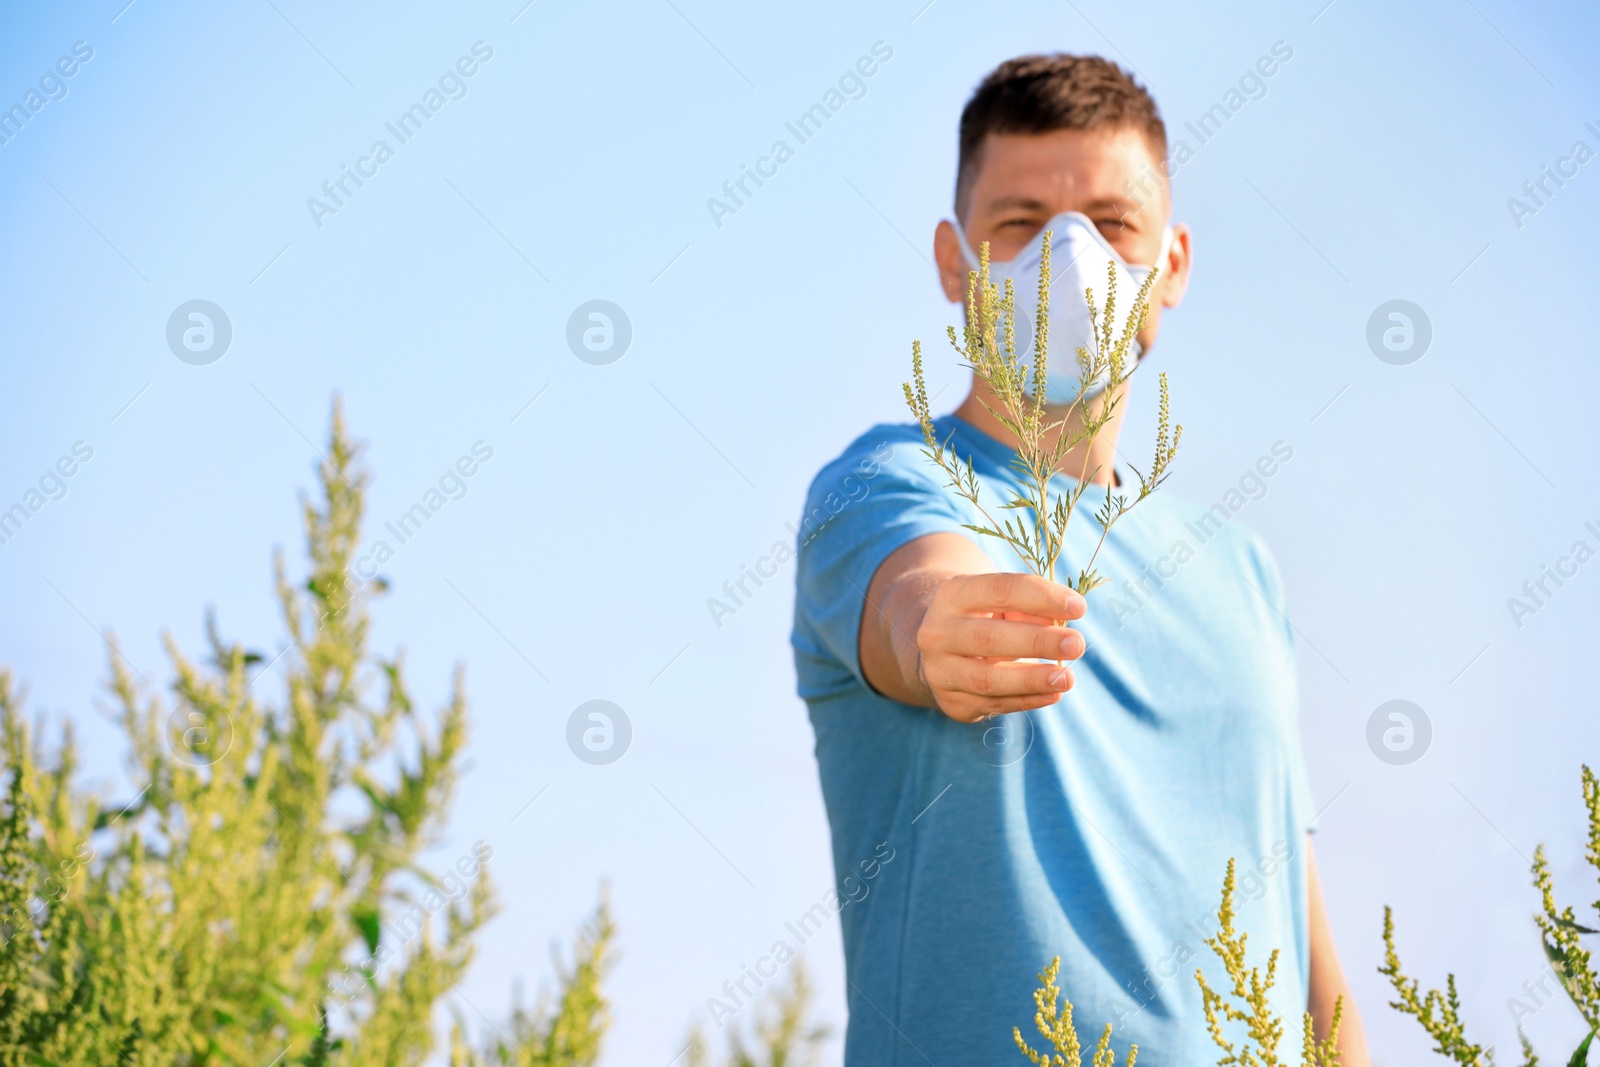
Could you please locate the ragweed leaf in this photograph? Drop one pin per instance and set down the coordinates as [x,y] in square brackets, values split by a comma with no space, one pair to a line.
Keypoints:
[1580,1056]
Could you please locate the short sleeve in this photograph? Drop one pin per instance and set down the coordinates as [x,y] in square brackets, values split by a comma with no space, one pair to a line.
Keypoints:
[881,493]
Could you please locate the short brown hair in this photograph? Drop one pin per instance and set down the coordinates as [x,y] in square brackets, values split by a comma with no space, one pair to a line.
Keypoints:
[1039,94]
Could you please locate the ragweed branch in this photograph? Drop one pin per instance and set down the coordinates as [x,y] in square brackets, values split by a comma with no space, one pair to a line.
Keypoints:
[1045,433]
[1439,1013]
[1247,1004]
[1055,1026]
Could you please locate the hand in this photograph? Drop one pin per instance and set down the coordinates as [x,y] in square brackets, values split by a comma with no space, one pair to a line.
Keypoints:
[979,627]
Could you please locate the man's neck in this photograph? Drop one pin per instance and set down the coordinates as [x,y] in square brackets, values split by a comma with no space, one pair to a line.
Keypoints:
[1092,461]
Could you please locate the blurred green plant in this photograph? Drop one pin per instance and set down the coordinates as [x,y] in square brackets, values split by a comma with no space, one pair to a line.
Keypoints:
[1439,1013]
[262,898]
[1045,434]
[782,1035]
[563,1030]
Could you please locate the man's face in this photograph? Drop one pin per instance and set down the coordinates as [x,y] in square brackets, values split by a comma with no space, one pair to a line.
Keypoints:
[1109,175]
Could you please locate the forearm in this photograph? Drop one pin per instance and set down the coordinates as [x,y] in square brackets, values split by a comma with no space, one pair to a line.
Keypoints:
[889,654]
[1328,983]
[896,603]
[1326,991]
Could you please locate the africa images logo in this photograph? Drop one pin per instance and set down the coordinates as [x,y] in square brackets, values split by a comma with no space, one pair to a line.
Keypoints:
[599,332]
[199,332]
[599,732]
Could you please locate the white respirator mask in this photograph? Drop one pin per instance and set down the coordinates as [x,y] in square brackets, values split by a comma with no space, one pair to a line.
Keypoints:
[1079,256]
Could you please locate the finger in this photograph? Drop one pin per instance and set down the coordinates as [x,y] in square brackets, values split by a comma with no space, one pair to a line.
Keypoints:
[1023,616]
[1005,678]
[971,709]
[1002,592]
[1003,639]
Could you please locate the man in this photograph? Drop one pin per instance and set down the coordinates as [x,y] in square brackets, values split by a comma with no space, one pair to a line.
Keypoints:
[1037,810]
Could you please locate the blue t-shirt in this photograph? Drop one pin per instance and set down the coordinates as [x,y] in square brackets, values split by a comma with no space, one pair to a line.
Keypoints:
[1097,829]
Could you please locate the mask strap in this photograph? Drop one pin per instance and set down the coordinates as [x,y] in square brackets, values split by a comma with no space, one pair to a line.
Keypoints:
[1161,261]
[1166,247]
[966,249]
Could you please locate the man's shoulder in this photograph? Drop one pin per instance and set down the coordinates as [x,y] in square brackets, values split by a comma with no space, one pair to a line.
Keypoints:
[892,446]
[881,490]
[884,438]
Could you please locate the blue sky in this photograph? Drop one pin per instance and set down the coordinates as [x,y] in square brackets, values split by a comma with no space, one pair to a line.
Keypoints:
[576,165]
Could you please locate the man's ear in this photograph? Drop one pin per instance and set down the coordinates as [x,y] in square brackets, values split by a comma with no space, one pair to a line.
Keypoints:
[1175,271]
[952,264]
